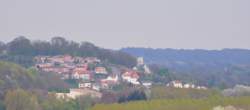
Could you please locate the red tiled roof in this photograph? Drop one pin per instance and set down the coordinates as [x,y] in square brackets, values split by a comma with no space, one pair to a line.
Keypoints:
[81,71]
[131,74]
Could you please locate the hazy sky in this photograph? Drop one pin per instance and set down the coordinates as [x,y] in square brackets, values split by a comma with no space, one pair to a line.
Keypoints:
[209,24]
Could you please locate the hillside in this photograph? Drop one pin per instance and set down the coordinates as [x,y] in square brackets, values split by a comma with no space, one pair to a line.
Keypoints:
[223,68]
[13,76]
[21,50]
[208,58]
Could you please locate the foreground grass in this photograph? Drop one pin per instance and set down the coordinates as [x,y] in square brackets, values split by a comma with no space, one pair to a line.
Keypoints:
[178,104]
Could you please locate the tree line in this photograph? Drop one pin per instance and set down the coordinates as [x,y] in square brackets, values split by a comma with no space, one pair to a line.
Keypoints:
[20,99]
[22,50]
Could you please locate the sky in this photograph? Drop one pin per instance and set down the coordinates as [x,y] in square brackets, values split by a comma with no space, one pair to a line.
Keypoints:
[113,24]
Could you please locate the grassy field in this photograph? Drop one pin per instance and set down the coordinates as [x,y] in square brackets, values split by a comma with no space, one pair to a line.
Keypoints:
[179,104]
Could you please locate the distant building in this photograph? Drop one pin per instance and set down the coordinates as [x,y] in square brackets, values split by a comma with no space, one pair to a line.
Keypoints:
[101,70]
[186,86]
[85,85]
[147,84]
[92,60]
[140,61]
[146,69]
[81,73]
[74,93]
[131,77]
[113,78]
[201,88]
[141,66]
[179,84]
[175,84]
[68,58]
[110,81]
[96,87]
[135,68]
[44,65]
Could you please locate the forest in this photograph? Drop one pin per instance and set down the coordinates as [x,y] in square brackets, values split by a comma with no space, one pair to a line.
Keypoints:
[214,68]
[22,50]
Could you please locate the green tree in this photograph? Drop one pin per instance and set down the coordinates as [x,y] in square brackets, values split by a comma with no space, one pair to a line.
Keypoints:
[2,107]
[20,46]
[2,47]
[51,102]
[163,72]
[85,102]
[21,100]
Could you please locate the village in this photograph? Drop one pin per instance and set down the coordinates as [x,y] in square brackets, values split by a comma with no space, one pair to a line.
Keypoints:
[93,75]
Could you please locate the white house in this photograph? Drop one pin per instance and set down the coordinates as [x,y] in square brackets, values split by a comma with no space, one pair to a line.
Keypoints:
[100,70]
[85,85]
[187,86]
[146,69]
[147,84]
[81,74]
[175,84]
[74,93]
[131,77]
[84,76]
[96,87]
[109,81]
[113,78]
[140,61]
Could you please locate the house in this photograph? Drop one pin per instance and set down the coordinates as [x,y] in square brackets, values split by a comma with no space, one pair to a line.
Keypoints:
[81,73]
[68,58]
[47,69]
[44,65]
[104,84]
[147,84]
[89,85]
[65,76]
[187,85]
[40,59]
[85,85]
[175,84]
[101,70]
[61,70]
[92,60]
[69,66]
[192,86]
[135,68]
[131,77]
[109,81]
[56,59]
[146,69]
[201,88]
[75,93]
[78,60]
[83,66]
[96,87]
[112,78]
[140,61]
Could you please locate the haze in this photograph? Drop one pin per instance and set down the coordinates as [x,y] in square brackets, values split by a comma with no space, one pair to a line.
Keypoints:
[205,24]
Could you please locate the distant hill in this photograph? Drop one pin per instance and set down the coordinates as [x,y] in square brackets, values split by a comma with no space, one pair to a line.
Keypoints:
[211,67]
[174,57]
